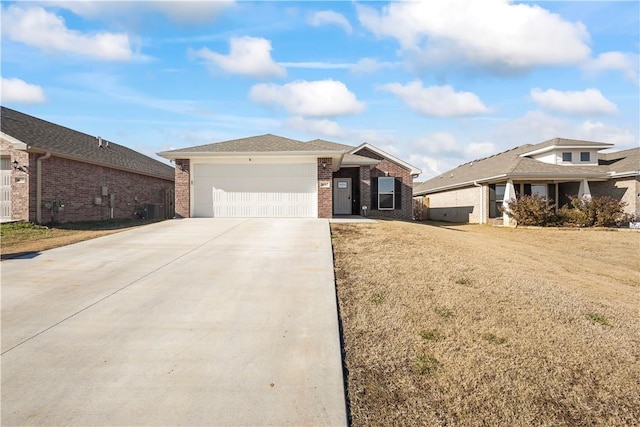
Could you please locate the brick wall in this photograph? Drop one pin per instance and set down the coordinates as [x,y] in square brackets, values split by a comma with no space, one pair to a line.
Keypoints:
[365,188]
[325,195]
[76,185]
[626,190]
[183,188]
[389,168]
[461,205]
[19,181]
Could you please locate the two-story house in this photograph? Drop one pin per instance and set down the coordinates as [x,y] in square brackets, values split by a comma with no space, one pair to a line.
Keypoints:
[554,169]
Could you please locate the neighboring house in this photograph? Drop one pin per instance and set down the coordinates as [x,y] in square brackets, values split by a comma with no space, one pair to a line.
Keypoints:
[555,169]
[273,176]
[53,173]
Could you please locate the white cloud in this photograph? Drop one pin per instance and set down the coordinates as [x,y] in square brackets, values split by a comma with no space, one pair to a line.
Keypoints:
[536,126]
[317,65]
[627,63]
[438,101]
[495,34]
[370,65]
[250,56]
[329,17]
[183,12]
[429,165]
[34,26]
[16,90]
[588,101]
[438,142]
[323,127]
[321,98]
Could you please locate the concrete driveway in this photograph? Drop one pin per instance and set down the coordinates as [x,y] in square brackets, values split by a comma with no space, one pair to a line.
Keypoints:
[184,322]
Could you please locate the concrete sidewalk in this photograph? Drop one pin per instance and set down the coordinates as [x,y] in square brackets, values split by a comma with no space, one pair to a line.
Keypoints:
[185,322]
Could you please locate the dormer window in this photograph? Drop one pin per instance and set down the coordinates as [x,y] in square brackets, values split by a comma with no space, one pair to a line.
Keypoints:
[566,157]
[585,156]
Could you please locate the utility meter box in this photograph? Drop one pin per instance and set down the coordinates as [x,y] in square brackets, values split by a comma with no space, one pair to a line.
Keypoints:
[104,191]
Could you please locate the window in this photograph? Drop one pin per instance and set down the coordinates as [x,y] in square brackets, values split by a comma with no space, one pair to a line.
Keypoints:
[539,190]
[386,193]
[566,157]
[500,190]
[585,156]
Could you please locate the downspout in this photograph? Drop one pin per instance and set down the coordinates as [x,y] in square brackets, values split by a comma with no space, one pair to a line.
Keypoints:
[39,186]
[475,183]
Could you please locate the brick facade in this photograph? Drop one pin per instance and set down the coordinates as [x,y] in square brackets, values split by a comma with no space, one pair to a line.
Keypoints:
[183,188]
[365,188]
[325,195]
[70,189]
[20,181]
[81,187]
[388,168]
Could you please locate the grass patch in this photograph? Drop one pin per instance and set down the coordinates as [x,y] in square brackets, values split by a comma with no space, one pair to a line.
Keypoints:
[540,366]
[465,281]
[493,339]
[427,364]
[377,298]
[599,319]
[443,312]
[24,237]
[432,335]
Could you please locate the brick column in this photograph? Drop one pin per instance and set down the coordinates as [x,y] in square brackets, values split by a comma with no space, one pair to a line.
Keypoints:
[325,195]
[365,188]
[183,189]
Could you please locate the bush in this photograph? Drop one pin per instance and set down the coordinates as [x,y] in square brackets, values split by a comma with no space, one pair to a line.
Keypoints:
[595,212]
[532,210]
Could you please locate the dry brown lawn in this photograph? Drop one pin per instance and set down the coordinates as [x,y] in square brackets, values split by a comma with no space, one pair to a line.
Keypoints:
[484,326]
[22,238]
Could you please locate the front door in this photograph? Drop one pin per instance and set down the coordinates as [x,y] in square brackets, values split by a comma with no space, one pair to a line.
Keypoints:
[342,196]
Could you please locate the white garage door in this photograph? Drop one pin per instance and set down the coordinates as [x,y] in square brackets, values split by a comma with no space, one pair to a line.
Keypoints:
[255,190]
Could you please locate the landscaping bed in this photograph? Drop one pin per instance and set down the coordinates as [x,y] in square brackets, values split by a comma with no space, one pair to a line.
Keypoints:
[476,325]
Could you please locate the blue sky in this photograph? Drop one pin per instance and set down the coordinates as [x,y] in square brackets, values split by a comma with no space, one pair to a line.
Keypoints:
[436,83]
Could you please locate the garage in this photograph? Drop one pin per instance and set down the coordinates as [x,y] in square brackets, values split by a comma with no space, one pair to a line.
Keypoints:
[252,190]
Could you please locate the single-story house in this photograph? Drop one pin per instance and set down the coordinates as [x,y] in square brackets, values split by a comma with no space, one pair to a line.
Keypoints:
[475,191]
[51,173]
[273,176]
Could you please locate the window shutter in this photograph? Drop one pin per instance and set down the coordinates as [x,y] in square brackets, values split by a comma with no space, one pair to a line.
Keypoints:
[374,193]
[398,192]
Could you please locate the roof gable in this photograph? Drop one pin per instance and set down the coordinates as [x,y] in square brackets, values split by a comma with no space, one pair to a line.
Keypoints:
[42,136]
[414,170]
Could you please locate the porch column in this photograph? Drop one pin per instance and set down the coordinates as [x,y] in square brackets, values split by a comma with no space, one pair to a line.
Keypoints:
[509,194]
[325,190]
[584,192]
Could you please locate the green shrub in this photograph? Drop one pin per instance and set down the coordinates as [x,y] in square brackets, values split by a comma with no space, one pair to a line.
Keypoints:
[595,212]
[532,210]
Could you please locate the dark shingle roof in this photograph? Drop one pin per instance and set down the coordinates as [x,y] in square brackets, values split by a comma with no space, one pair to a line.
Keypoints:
[331,145]
[254,144]
[510,163]
[622,161]
[40,135]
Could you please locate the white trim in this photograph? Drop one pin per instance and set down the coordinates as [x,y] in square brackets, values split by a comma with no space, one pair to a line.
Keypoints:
[598,146]
[414,170]
[17,144]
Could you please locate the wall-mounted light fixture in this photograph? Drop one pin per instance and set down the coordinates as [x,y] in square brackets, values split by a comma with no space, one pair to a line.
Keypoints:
[324,165]
[18,167]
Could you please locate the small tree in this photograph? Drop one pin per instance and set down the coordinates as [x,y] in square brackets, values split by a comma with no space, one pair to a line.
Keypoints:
[532,210]
[593,212]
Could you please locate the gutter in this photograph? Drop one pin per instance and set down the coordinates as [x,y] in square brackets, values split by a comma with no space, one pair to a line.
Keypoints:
[461,184]
[39,186]
[475,183]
